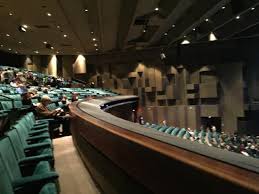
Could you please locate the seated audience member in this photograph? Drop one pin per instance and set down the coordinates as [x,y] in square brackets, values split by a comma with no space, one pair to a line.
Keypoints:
[164,123]
[74,96]
[141,120]
[42,108]
[26,99]
[58,114]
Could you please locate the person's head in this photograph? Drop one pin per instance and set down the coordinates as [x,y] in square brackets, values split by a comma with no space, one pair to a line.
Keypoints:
[45,100]
[213,128]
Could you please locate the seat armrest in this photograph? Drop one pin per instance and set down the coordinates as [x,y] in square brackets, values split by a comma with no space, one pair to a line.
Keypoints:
[35,180]
[38,137]
[37,146]
[40,126]
[35,159]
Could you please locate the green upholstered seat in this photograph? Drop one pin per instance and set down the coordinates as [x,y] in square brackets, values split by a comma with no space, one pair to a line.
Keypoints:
[23,153]
[169,130]
[163,128]
[38,183]
[175,131]
[6,105]
[49,188]
[181,133]
[157,127]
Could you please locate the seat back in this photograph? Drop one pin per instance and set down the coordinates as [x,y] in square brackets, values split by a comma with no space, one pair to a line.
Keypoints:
[175,131]
[10,161]
[6,105]
[163,129]
[18,104]
[17,144]
[5,182]
[22,133]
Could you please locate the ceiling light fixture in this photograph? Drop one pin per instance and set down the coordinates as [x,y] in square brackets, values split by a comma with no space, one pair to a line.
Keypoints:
[165,33]
[64,35]
[52,48]
[20,42]
[144,31]
[223,7]
[206,20]
[96,49]
[7,35]
[94,39]
[48,14]
[58,27]
[173,26]
[2,45]
[57,52]
[86,10]
[194,29]
[238,17]
[16,52]
[95,44]
[37,52]
[25,26]
[253,8]
[185,41]
[92,32]
[22,29]
[156,9]
[9,49]
[45,42]
[10,13]
[212,37]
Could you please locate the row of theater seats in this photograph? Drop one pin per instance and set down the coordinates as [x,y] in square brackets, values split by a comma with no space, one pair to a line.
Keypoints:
[26,158]
[185,134]
[246,145]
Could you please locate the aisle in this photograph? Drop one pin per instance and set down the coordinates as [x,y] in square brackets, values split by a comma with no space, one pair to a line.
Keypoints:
[73,176]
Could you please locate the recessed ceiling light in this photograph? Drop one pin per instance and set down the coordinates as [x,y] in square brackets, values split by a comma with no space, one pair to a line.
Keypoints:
[10,13]
[48,14]
[58,27]
[57,52]
[94,39]
[2,45]
[253,8]
[223,7]
[238,17]
[20,42]
[86,10]
[22,29]
[92,32]
[95,44]
[9,49]
[194,29]
[173,26]
[36,52]
[64,35]
[206,20]
[166,34]
[96,49]
[25,26]
[52,48]
[144,31]
[45,42]
[7,35]
[16,52]
[156,9]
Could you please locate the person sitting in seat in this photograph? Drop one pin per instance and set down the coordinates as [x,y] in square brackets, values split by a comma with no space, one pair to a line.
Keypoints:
[58,114]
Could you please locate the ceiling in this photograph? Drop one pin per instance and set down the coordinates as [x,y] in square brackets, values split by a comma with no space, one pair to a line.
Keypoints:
[98,26]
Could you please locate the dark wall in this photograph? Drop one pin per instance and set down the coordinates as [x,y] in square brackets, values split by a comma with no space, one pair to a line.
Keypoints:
[9,59]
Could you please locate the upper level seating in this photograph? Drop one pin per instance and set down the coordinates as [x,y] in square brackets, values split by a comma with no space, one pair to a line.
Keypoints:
[216,139]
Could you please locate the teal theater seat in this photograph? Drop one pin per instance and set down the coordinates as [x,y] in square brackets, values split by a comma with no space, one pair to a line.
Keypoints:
[169,130]
[175,131]
[181,133]
[163,128]
[37,178]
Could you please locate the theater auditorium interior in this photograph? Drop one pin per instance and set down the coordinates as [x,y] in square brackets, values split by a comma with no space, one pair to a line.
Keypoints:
[129,96]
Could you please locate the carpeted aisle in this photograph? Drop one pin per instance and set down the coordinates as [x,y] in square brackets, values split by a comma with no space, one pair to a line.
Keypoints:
[73,176]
